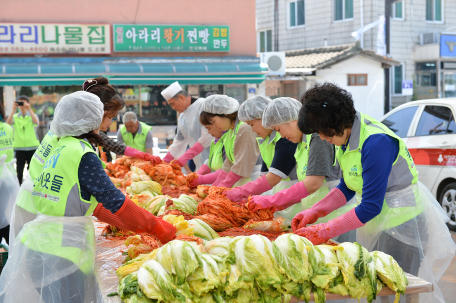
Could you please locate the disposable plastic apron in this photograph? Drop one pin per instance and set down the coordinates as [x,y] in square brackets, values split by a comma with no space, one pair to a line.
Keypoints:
[427,233]
[33,276]
[229,149]
[9,186]
[190,128]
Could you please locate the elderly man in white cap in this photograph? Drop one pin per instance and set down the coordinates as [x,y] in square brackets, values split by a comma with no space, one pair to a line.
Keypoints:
[189,130]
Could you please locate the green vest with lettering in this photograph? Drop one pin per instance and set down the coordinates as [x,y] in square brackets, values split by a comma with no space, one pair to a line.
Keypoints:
[56,192]
[302,157]
[403,172]
[216,154]
[6,141]
[139,141]
[24,132]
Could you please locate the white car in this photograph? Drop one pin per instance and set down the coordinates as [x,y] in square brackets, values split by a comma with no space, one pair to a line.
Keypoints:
[429,130]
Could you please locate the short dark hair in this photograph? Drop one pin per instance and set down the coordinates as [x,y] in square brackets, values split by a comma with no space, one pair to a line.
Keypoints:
[327,109]
[23,97]
[205,117]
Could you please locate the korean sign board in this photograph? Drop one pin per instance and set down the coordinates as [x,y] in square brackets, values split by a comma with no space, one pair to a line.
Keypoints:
[171,38]
[46,38]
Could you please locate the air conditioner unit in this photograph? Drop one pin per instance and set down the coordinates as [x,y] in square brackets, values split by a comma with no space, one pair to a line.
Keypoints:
[429,38]
[275,62]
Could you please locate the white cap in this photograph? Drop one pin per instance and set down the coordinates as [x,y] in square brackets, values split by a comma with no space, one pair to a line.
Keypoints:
[171,90]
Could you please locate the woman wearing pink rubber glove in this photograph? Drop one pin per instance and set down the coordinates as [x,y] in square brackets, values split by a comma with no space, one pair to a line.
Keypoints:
[277,170]
[242,152]
[396,214]
[315,166]
[216,157]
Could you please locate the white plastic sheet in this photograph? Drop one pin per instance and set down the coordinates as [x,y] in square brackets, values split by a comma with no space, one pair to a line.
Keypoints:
[9,186]
[36,276]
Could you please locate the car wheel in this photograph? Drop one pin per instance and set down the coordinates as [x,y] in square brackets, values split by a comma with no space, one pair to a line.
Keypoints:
[448,202]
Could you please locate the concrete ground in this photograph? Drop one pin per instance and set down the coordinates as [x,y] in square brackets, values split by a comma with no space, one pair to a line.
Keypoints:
[448,281]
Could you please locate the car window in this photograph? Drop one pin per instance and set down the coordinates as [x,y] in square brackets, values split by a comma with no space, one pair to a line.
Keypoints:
[400,121]
[436,120]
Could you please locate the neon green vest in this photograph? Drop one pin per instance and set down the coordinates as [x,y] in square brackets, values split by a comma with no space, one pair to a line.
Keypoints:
[24,132]
[403,172]
[139,141]
[216,154]
[41,154]
[267,148]
[229,142]
[302,157]
[56,193]
[6,141]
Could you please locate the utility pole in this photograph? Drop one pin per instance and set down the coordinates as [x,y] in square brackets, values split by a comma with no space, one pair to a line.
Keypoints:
[388,4]
[276,25]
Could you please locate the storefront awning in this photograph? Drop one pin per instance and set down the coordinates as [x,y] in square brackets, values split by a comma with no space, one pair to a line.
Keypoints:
[49,74]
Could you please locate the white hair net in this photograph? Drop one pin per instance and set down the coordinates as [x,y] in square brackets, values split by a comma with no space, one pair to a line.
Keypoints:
[129,117]
[253,108]
[77,114]
[220,104]
[281,110]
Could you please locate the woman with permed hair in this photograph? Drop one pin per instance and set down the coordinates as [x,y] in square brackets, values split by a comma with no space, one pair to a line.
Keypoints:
[396,213]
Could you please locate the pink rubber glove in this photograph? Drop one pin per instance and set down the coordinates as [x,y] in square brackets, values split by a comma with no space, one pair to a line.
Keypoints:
[204,170]
[190,153]
[168,158]
[256,187]
[334,200]
[222,175]
[230,180]
[131,152]
[321,233]
[205,179]
[281,200]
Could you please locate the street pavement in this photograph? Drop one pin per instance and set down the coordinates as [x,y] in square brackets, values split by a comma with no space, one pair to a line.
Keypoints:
[448,281]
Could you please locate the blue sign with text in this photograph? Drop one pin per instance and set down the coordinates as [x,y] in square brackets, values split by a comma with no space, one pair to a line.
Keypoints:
[447,45]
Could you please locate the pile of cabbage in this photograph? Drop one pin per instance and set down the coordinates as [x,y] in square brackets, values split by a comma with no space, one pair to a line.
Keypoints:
[254,269]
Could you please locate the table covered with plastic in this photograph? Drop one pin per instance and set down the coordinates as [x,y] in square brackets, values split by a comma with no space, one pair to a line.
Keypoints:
[109,257]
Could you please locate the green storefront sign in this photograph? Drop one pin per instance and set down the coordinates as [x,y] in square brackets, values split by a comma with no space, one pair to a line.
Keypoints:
[171,38]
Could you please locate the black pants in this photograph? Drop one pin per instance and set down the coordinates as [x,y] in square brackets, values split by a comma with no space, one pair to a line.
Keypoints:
[4,233]
[22,157]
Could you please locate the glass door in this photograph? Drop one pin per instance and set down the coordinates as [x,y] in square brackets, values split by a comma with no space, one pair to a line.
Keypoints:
[450,85]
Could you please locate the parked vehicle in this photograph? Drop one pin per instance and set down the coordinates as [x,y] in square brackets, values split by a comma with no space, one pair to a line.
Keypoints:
[429,130]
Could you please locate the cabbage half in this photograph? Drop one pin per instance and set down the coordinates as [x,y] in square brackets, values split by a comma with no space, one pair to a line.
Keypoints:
[360,276]
[180,259]
[390,272]
[254,257]
[202,230]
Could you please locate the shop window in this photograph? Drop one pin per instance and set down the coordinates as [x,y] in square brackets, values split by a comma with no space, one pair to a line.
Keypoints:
[434,10]
[210,89]
[397,11]
[356,79]
[296,13]
[236,91]
[435,120]
[400,121]
[343,9]
[265,41]
[397,77]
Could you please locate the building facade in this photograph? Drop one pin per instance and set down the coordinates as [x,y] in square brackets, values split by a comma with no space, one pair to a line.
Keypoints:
[48,48]
[303,24]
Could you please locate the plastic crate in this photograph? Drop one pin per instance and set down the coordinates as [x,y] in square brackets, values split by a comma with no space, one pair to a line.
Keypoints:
[3,257]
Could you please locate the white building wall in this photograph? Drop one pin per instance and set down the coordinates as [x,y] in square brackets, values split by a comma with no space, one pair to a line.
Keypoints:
[368,99]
